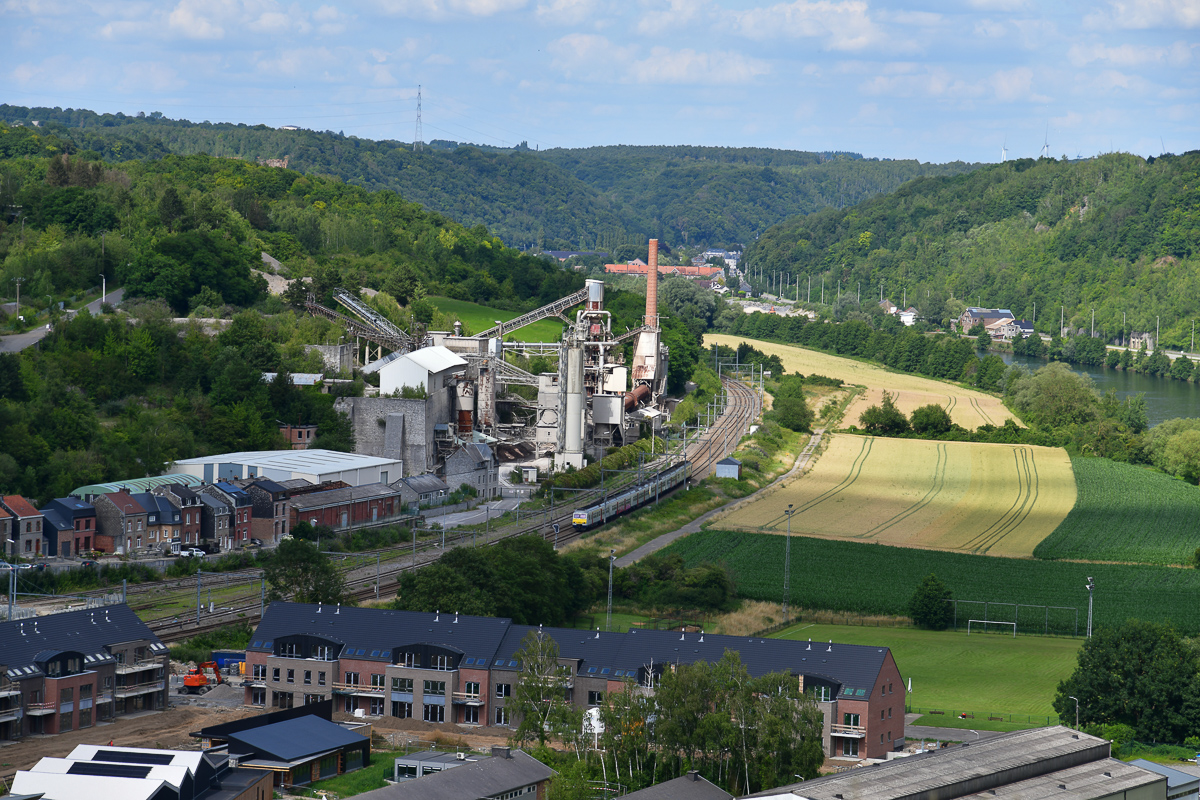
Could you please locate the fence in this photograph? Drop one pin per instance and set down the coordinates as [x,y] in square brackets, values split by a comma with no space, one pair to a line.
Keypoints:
[1046,620]
[985,716]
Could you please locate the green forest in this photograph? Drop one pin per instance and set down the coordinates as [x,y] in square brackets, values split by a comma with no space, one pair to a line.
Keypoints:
[1118,234]
[589,198]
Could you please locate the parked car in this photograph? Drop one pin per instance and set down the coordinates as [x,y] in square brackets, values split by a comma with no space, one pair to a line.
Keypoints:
[256,542]
[24,566]
[88,562]
[192,552]
[4,565]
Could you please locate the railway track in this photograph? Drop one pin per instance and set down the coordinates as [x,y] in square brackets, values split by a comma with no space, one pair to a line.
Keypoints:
[741,409]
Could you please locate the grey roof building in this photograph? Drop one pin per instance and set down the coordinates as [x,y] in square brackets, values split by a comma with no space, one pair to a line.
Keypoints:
[1179,784]
[506,774]
[1054,762]
[475,465]
[686,787]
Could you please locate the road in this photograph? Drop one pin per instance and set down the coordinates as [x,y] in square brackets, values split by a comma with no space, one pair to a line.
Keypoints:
[476,516]
[20,341]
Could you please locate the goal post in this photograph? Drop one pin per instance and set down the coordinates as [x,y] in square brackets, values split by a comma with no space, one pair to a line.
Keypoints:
[986,622]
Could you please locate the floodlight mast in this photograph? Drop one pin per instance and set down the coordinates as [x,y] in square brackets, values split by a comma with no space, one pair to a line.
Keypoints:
[1076,699]
[787,562]
[1091,585]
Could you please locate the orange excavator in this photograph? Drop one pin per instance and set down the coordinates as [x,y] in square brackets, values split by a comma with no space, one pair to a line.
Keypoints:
[196,682]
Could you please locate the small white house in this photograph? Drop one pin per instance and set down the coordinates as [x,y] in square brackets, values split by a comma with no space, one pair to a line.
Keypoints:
[729,468]
[430,368]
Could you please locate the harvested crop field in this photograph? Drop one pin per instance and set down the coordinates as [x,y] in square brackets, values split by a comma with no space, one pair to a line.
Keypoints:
[965,406]
[974,498]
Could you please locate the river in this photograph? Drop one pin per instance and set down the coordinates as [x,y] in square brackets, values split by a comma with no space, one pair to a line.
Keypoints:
[1165,398]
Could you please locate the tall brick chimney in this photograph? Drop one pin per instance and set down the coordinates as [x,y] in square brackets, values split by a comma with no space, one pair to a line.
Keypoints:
[652,286]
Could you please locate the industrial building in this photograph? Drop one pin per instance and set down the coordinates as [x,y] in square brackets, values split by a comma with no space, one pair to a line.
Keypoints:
[452,668]
[442,392]
[315,466]
[1053,762]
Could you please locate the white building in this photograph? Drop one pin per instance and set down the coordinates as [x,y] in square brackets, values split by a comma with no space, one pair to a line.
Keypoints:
[285,465]
[430,368]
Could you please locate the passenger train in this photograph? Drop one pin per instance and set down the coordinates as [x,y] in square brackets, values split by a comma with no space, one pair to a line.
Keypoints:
[628,499]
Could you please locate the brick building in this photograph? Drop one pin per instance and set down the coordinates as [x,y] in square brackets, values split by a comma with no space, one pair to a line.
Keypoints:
[120,521]
[241,508]
[25,530]
[270,518]
[189,505]
[69,526]
[445,668]
[68,671]
[347,508]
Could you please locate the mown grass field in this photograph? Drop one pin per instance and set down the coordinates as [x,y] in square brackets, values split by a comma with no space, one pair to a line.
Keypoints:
[1127,513]
[978,498]
[984,674]
[477,318]
[965,406]
[878,579]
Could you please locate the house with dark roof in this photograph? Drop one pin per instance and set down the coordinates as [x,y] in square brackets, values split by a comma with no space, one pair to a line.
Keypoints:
[348,508]
[475,465]
[691,786]
[297,745]
[507,773]
[987,316]
[25,531]
[162,521]
[445,667]
[241,507]
[269,518]
[73,669]
[189,504]
[728,468]
[68,526]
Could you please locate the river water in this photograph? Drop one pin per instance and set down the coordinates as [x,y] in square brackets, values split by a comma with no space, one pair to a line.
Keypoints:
[1165,398]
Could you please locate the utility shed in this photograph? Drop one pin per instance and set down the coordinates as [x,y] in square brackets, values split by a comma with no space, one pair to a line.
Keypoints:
[300,750]
[429,369]
[729,468]
[1054,763]
[506,774]
[1179,784]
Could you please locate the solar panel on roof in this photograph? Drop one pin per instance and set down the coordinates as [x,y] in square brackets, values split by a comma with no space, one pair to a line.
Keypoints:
[127,757]
[108,769]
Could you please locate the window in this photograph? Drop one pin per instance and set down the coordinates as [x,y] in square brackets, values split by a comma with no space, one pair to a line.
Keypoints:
[501,716]
[108,682]
[471,715]
[401,709]
[290,650]
[471,689]
[503,690]
[275,674]
[410,660]
[281,699]
[434,713]
[882,715]
[882,691]
[85,718]
[850,719]
[440,662]
[881,738]
[850,747]
[323,652]
[352,678]
[821,694]
[66,695]
[320,679]
[402,685]
[308,677]
[377,681]
[260,671]
[377,708]
[435,688]
[309,699]
[595,698]
[64,722]
[85,692]
[889,688]
[258,697]
[291,676]
[889,713]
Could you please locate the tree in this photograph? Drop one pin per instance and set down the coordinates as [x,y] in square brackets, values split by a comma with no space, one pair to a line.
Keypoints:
[170,208]
[793,413]
[540,697]
[884,419]
[1140,674]
[930,420]
[929,607]
[301,571]
[1055,396]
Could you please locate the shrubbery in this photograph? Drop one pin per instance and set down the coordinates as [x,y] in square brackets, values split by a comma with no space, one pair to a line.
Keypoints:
[622,458]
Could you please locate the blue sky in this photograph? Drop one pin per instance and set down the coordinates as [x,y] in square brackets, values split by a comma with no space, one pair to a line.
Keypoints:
[937,81]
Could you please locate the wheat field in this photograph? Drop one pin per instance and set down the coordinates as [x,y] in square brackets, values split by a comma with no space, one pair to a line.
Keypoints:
[976,498]
[966,407]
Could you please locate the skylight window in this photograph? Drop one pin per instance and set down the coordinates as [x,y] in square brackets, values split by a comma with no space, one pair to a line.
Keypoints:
[512,663]
[591,670]
[604,671]
[469,661]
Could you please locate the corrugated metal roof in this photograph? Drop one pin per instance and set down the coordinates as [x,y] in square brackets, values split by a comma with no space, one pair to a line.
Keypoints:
[379,364]
[136,484]
[348,494]
[312,460]
[435,359]
[686,787]
[424,484]
[298,378]
[93,787]
[489,777]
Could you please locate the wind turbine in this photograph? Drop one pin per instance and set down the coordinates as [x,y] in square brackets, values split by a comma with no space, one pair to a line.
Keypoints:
[1004,151]
[1046,146]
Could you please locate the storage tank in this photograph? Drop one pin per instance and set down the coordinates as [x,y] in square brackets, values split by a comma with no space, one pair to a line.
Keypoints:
[466,407]
[595,299]
[573,424]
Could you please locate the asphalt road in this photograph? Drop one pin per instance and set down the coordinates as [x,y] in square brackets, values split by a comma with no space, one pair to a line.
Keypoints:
[20,341]
[476,516]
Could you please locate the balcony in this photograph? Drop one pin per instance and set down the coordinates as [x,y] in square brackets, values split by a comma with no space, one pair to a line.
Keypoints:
[259,682]
[9,691]
[137,666]
[146,687]
[37,709]
[10,714]
[848,731]
[357,688]
[462,698]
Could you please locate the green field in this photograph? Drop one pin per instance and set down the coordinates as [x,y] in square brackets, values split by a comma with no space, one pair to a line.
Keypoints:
[1126,513]
[476,318]
[984,674]
[877,579]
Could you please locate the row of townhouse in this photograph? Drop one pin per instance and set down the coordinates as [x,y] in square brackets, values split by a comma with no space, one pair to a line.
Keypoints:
[69,671]
[451,668]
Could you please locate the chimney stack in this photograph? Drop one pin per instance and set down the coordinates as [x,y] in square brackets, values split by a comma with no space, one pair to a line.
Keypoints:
[652,286]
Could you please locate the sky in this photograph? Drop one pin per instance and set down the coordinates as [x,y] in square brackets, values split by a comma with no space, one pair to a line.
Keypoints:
[935,81]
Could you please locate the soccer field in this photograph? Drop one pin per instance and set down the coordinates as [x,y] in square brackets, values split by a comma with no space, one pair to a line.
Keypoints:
[966,407]
[975,498]
[982,673]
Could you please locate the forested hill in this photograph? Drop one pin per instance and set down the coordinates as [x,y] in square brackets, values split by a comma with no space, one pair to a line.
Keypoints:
[1115,233]
[593,198]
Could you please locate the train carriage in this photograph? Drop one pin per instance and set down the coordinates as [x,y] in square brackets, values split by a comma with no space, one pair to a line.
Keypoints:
[650,487]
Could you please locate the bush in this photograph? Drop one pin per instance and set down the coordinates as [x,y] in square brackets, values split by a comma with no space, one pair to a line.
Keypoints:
[928,607]
[884,419]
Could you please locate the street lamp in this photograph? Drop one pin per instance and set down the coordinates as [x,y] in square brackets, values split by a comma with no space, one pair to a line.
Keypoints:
[1076,699]
[787,562]
[1090,586]
[612,556]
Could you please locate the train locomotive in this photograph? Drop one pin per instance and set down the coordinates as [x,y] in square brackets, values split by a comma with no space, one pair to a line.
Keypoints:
[628,499]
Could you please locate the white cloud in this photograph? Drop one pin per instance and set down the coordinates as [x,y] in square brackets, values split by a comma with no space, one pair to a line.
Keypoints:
[844,25]
[1141,14]
[906,79]
[195,19]
[668,15]
[1012,85]
[1127,55]
[999,5]
[593,57]
[990,29]
[565,12]
[446,9]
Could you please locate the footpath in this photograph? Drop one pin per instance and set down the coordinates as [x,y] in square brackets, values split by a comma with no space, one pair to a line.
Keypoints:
[654,545]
